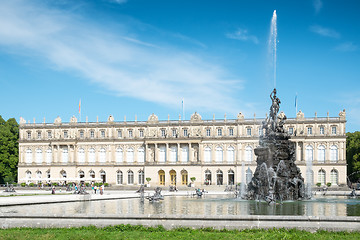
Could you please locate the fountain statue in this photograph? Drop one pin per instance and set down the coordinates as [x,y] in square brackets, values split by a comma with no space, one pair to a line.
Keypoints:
[276,177]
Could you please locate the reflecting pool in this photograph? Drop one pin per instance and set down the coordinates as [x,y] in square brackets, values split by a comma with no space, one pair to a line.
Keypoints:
[210,205]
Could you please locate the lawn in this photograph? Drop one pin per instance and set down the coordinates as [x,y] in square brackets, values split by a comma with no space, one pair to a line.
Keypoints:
[140,232]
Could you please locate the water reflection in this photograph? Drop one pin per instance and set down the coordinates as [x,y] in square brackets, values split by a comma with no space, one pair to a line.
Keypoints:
[210,205]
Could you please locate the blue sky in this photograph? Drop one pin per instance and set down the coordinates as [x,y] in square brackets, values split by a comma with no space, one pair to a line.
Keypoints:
[137,57]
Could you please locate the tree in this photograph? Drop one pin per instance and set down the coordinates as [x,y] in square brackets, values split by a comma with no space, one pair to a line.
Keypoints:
[9,150]
[353,155]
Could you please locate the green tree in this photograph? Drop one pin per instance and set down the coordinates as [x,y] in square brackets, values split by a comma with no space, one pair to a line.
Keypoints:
[9,150]
[353,155]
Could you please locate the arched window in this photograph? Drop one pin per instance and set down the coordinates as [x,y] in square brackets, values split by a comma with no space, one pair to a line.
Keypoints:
[81,155]
[92,174]
[39,157]
[219,177]
[248,153]
[28,175]
[334,177]
[130,177]
[185,154]
[172,177]
[48,175]
[219,154]
[92,155]
[173,154]
[207,154]
[39,175]
[119,155]
[309,153]
[103,176]
[130,155]
[28,156]
[162,154]
[48,156]
[161,174]
[102,155]
[119,177]
[141,177]
[230,154]
[321,176]
[231,177]
[321,154]
[141,156]
[63,174]
[81,174]
[248,175]
[333,153]
[184,177]
[65,155]
[207,177]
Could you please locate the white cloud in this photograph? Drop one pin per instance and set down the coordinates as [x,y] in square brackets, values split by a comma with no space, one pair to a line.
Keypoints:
[317,5]
[118,1]
[126,65]
[347,47]
[326,32]
[243,35]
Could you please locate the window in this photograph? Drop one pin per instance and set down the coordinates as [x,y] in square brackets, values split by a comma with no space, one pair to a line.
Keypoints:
[173,154]
[248,154]
[141,155]
[219,132]
[102,134]
[38,135]
[28,135]
[291,131]
[65,155]
[231,178]
[81,174]
[92,134]
[28,156]
[39,157]
[260,131]
[92,174]
[231,154]
[162,132]
[322,130]
[334,177]
[119,155]
[63,174]
[49,135]
[333,153]
[333,130]
[130,155]
[309,130]
[48,175]
[102,155]
[207,154]
[66,134]
[219,154]
[81,134]
[184,177]
[103,176]
[162,154]
[130,133]
[28,175]
[185,132]
[141,133]
[119,177]
[231,132]
[130,177]
[208,177]
[119,133]
[81,155]
[248,131]
[141,177]
[321,154]
[219,177]
[174,133]
[161,174]
[321,176]
[185,154]
[309,156]
[208,132]
[91,155]
[48,156]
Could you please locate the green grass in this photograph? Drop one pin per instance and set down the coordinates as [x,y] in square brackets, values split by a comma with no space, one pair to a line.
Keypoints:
[140,232]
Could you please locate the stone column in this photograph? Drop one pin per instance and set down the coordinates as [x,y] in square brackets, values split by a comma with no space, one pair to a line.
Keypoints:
[167,153]
[156,153]
[178,152]
[201,154]
[191,153]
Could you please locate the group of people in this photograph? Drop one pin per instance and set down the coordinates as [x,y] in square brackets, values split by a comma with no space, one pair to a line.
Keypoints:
[96,189]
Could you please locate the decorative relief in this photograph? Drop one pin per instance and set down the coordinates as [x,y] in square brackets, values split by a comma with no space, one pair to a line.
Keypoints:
[152,132]
[196,132]
[153,118]
[195,117]
[57,120]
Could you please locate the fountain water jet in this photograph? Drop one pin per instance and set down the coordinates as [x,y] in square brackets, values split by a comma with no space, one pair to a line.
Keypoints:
[273,43]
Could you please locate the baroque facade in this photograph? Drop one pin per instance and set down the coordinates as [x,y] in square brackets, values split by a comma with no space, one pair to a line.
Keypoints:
[217,152]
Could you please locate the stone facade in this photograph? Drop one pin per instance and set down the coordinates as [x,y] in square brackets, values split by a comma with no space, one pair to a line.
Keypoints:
[216,152]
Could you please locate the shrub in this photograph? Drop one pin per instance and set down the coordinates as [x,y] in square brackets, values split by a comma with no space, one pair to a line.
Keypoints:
[148,179]
[328,184]
[87,184]
[31,184]
[106,184]
[23,184]
[318,184]
[192,179]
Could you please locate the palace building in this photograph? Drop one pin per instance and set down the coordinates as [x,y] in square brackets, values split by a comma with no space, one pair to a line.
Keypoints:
[216,152]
